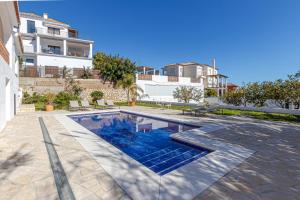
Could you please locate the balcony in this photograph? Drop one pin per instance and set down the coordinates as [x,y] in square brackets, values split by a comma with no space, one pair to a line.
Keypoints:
[45,31]
[3,52]
[52,51]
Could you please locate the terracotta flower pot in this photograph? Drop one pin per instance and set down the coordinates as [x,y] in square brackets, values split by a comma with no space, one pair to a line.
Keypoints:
[49,107]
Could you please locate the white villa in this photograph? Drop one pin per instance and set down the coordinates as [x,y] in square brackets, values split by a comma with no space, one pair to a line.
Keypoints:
[160,87]
[10,48]
[50,45]
[198,72]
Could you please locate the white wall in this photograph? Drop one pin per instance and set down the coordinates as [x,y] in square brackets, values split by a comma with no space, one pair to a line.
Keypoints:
[61,61]
[9,83]
[159,89]
[41,27]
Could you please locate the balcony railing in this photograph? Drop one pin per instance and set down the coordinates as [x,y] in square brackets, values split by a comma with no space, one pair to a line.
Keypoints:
[172,78]
[55,72]
[44,31]
[3,52]
[145,77]
[50,51]
[78,54]
[195,80]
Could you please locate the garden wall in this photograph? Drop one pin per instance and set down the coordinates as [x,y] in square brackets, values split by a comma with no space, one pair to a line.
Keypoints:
[56,85]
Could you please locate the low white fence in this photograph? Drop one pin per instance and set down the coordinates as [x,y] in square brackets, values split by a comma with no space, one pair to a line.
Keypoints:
[264,109]
[222,105]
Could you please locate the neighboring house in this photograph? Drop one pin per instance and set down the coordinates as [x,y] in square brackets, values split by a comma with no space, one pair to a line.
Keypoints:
[10,48]
[232,87]
[196,71]
[50,45]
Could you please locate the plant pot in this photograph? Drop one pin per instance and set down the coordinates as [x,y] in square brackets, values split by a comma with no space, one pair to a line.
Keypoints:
[131,103]
[49,108]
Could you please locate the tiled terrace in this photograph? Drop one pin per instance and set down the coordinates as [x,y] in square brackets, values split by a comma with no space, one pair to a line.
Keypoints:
[273,172]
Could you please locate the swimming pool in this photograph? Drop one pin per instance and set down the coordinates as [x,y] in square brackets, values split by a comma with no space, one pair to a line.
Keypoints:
[145,139]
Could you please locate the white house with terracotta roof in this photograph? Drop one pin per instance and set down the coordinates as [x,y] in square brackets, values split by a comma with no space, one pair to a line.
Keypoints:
[50,44]
[10,48]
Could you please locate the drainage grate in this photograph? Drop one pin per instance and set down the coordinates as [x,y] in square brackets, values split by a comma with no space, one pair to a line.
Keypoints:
[62,184]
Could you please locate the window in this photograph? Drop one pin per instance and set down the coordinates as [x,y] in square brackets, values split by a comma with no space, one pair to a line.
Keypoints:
[30,26]
[53,31]
[54,49]
[29,61]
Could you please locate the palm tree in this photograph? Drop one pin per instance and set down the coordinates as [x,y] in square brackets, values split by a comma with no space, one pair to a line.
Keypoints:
[133,91]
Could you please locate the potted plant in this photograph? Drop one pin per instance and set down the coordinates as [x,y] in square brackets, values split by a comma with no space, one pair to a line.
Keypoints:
[49,101]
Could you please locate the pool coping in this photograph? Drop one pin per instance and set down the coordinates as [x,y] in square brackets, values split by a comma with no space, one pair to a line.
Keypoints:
[140,182]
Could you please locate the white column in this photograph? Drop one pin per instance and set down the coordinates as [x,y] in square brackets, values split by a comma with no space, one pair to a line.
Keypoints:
[65,47]
[91,51]
[38,45]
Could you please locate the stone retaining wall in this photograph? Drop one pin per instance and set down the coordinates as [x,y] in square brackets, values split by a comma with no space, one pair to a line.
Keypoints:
[56,85]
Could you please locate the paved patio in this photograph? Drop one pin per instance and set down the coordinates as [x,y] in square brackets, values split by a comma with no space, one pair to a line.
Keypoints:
[273,172]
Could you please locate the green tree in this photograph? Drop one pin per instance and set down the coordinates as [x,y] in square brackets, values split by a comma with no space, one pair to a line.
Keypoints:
[235,97]
[99,60]
[186,94]
[256,93]
[113,68]
[210,93]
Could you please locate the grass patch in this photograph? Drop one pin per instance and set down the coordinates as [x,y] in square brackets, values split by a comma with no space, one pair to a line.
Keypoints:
[153,105]
[260,115]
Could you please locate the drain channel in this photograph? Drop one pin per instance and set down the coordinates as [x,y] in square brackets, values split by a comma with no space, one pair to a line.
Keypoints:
[61,181]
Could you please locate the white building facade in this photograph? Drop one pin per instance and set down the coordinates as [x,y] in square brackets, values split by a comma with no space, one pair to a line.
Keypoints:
[10,48]
[53,44]
[160,88]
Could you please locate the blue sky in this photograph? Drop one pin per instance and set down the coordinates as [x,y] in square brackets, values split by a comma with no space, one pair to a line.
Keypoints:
[252,40]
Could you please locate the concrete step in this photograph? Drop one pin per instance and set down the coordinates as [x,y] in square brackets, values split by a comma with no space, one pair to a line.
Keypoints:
[27,108]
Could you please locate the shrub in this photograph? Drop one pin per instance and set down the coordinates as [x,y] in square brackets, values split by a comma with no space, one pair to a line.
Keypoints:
[96,95]
[35,98]
[210,93]
[62,99]
[50,97]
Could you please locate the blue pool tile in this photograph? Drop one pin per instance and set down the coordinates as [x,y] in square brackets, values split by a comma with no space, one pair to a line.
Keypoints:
[145,139]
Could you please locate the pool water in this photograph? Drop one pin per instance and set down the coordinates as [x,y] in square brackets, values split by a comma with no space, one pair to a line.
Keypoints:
[145,139]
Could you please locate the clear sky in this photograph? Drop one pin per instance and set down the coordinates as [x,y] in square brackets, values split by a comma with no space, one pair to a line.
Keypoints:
[252,40]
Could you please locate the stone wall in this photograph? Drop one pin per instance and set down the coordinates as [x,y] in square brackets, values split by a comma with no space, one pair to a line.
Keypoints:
[56,85]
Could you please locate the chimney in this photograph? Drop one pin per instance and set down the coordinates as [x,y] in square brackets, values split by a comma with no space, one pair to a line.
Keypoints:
[45,15]
[214,64]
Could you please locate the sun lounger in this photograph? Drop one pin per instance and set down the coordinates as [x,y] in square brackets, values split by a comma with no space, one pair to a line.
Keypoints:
[204,110]
[85,105]
[190,110]
[101,103]
[110,103]
[74,106]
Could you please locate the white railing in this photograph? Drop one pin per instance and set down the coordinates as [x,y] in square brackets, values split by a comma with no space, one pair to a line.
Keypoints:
[44,31]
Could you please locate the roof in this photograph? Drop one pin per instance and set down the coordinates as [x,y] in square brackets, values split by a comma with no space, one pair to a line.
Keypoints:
[16,5]
[232,85]
[39,17]
[190,63]
[218,75]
